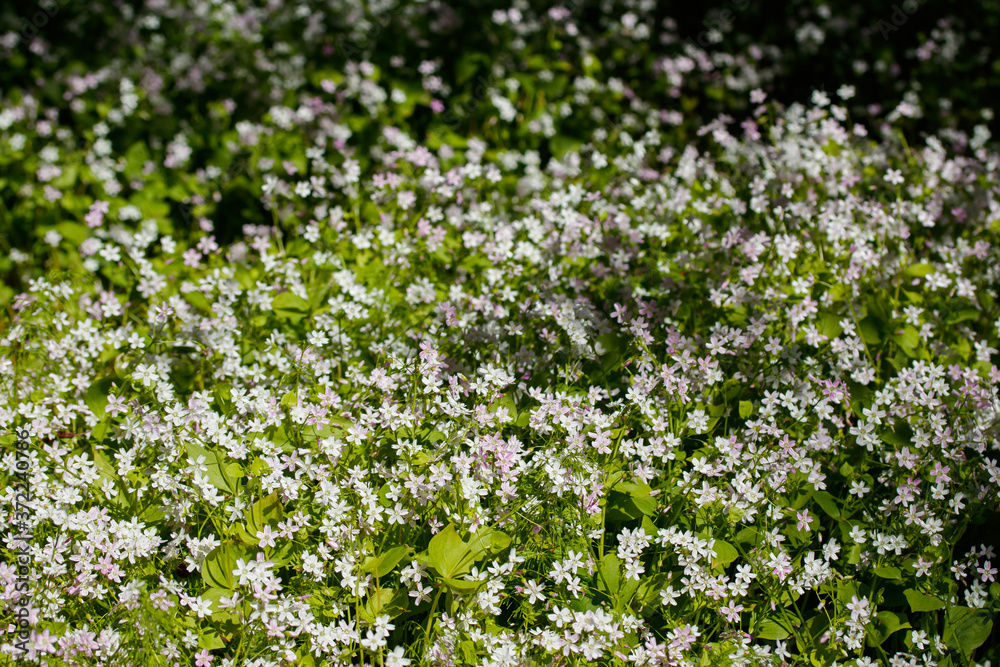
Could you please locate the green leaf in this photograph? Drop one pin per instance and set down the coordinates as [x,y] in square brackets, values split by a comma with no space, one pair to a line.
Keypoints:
[626,590]
[828,503]
[151,515]
[467,66]
[486,541]
[217,568]
[385,563]
[259,468]
[97,395]
[282,553]
[289,306]
[73,232]
[854,557]
[214,594]
[135,159]
[649,527]
[560,145]
[725,553]
[391,601]
[746,409]
[612,349]
[244,535]
[67,178]
[885,623]
[630,501]
[749,538]
[649,589]
[104,467]
[775,626]
[869,330]
[223,476]
[446,552]
[499,540]
[878,307]
[468,649]
[462,586]
[963,315]
[609,576]
[888,572]
[829,325]
[922,602]
[223,394]
[908,339]
[633,490]
[266,511]
[917,270]
[210,640]
[198,300]
[966,629]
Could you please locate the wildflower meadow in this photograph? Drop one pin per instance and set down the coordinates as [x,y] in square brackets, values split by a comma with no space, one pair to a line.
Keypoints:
[499,333]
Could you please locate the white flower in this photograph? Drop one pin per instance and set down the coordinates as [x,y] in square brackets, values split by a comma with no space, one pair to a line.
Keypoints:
[533,590]
[893,177]
[201,606]
[397,514]
[396,659]
[669,596]
[245,572]
[859,608]
[144,374]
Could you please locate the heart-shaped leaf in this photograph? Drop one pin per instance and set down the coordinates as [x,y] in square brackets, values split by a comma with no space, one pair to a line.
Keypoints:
[967,629]
[922,602]
[384,564]
[217,568]
[446,551]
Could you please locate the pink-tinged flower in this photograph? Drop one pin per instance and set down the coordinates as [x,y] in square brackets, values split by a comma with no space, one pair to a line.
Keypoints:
[115,405]
[191,258]
[203,658]
[780,564]
[22,301]
[437,106]
[923,567]
[804,519]
[731,611]
[266,537]
[44,642]
[95,216]
[988,573]
[859,608]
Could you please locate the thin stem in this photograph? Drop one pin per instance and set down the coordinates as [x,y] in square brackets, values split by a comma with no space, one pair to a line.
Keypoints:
[430,618]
